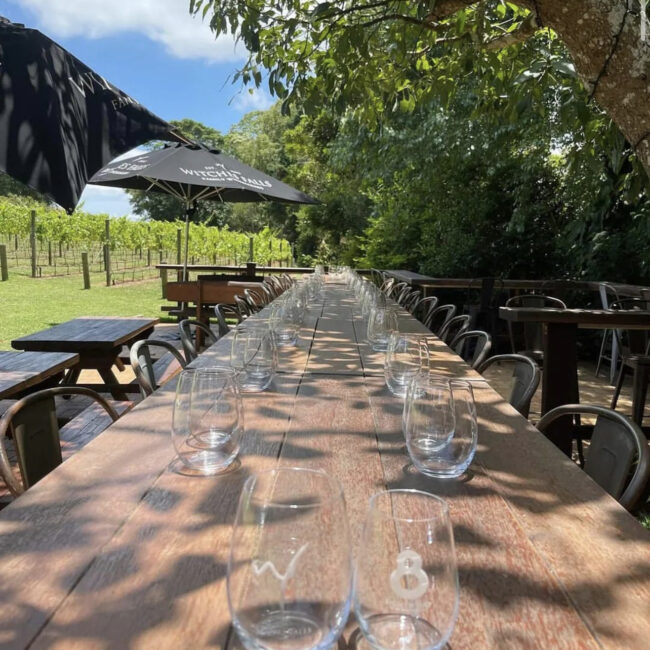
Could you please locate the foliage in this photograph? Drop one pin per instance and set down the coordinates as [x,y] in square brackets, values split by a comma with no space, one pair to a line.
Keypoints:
[87,229]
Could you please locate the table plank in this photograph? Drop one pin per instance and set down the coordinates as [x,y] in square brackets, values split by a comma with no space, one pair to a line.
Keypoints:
[21,370]
[585,318]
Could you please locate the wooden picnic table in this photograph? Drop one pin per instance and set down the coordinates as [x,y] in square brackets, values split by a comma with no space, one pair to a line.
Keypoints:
[97,341]
[116,548]
[22,370]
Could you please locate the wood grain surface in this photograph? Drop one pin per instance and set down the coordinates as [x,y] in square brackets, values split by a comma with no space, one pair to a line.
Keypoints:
[117,548]
[21,370]
[86,334]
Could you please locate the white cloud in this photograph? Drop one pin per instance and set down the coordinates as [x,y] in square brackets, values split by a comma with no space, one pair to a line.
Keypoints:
[252,99]
[167,22]
[106,200]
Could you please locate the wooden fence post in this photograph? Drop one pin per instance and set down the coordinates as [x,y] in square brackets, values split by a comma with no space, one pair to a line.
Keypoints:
[251,249]
[163,281]
[4,272]
[15,242]
[148,257]
[32,241]
[49,253]
[107,253]
[85,269]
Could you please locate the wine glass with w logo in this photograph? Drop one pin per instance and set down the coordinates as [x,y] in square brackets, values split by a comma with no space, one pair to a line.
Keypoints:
[289,572]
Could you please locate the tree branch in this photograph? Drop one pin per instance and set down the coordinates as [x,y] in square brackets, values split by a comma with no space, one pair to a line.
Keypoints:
[525,30]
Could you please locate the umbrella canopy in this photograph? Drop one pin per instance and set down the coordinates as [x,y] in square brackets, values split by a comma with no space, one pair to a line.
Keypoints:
[59,120]
[193,173]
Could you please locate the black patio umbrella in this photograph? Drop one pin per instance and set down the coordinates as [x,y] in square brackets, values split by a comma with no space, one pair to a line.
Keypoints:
[59,120]
[194,173]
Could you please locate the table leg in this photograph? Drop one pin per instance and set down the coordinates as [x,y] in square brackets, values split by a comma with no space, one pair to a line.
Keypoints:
[560,379]
[110,379]
[639,391]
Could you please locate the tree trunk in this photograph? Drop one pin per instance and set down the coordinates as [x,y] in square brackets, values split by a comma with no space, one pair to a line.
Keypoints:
[604,39]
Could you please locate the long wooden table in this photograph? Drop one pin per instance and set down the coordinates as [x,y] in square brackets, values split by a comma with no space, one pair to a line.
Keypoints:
[117,549]
[97,341]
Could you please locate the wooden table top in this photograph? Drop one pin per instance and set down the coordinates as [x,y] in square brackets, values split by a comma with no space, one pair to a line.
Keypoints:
[585,318]
[21,370]
[81,334]
[117,549]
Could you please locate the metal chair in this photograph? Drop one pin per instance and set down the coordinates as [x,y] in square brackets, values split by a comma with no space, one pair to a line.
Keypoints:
[526,376]
[387,286]
[605,290]
[222,311]
[616,443]
[36,437]
[438,317]
[476,355]
[411,299]
[424,307]
[633,346]
[397,289]
[190,346]
[254,299]
[453,327]
[533,332]
[143,364]
[243,308]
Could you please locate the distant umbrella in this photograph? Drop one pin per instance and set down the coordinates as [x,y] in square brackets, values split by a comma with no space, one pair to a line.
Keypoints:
[59,120]
[194,173]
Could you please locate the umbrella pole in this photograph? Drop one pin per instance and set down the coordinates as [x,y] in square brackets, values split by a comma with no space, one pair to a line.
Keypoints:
[188,211]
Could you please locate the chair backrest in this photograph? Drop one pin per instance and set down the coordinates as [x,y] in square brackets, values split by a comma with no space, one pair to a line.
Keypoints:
[254,299]
[142,362]
[437,317]
[526,375]
[533,332]
[269,290]
[242,307]
[32,421]
[411,299]
[400,296]
[453,327]
[387,285]
[473,346]
[535,300]
[222,311]
[631,341]
[424,307]
[616,443]
[397,289]
[188,338]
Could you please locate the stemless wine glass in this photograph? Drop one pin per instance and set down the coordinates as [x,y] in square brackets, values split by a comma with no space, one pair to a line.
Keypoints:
[286,318]
[405,578]
[289,571]
[433,451]
[428,418]
[208,419]
[381,322]
[254,356]
[407,356]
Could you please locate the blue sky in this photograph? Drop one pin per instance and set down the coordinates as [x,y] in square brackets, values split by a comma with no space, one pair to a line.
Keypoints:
[154,51]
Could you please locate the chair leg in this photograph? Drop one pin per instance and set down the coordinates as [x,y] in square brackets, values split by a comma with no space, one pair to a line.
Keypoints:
[619,386]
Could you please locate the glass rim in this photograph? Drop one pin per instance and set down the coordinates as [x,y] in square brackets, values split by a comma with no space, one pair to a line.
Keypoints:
[211,370]
[330,496]
[428,495]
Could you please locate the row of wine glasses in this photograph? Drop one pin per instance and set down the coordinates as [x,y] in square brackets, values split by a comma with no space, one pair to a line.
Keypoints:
[207,421]
[291,578]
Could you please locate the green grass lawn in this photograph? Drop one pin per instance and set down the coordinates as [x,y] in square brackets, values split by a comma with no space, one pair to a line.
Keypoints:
[31,304]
